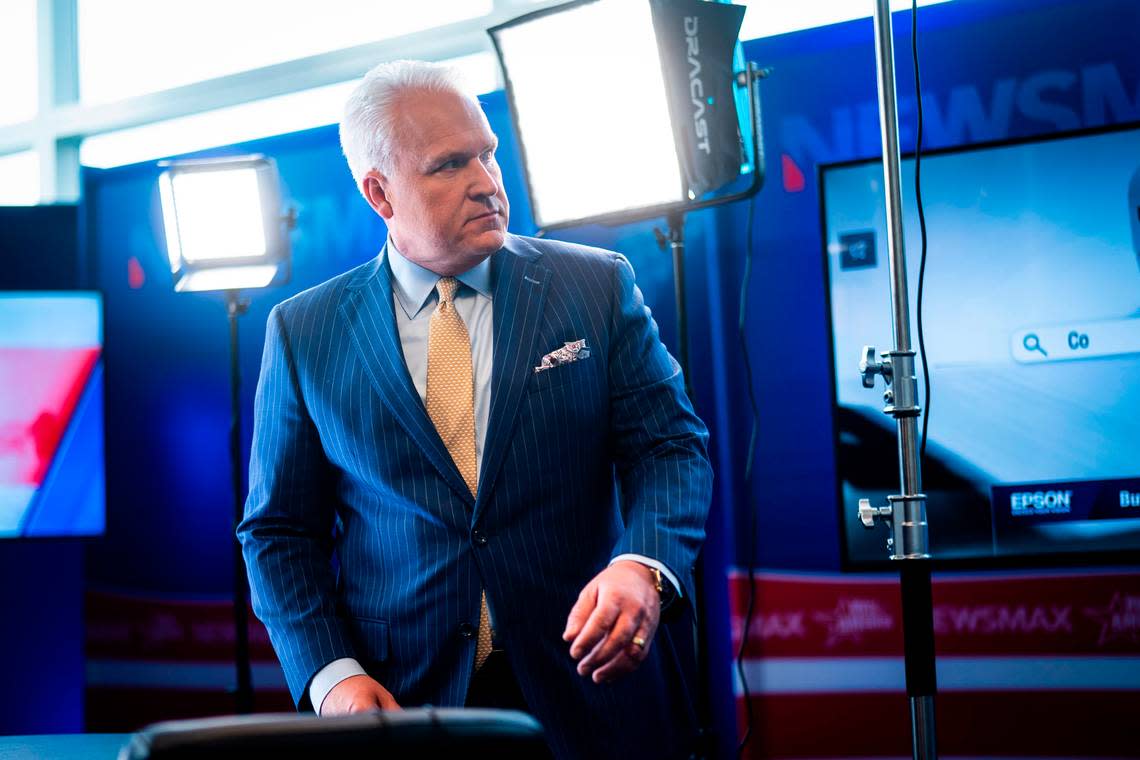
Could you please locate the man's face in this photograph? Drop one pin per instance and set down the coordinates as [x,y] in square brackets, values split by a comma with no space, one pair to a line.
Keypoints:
[443,200]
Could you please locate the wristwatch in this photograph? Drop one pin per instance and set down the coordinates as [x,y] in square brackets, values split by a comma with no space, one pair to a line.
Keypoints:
[665,589]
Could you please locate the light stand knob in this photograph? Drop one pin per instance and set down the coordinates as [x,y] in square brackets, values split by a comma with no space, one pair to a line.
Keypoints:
[868,367]
[867,513]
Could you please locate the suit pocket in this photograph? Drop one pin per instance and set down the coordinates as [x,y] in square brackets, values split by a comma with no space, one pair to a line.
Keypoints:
[371,639]
[560,375]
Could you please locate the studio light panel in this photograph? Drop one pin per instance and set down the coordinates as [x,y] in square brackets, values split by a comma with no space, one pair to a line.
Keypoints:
[219,215]
[223,224]
[595,127]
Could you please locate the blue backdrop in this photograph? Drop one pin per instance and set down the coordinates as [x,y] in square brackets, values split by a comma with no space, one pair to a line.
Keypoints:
[41,581]
[991,69]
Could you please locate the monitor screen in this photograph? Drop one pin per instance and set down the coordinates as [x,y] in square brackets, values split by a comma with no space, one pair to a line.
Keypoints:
[51,414]
[1032,327]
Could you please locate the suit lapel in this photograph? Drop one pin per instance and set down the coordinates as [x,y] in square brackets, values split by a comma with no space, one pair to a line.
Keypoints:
[520,284]
[368,313]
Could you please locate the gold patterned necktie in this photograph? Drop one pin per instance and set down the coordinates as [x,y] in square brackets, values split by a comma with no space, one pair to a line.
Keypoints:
[450,403]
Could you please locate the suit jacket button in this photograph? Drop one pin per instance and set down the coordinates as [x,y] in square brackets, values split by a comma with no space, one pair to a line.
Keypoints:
[479,537]
[466,630]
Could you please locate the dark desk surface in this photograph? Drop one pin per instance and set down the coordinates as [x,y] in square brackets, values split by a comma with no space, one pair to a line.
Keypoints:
[62,747]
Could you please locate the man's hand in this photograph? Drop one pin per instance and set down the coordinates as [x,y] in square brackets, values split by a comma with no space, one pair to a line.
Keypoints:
[357,694]
[620,605]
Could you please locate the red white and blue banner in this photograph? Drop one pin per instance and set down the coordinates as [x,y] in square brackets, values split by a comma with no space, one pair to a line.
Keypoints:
[1028,665]
[153,658]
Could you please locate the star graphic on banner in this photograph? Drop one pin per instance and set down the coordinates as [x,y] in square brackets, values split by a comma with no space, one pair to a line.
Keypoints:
[852,618]
[1119,620]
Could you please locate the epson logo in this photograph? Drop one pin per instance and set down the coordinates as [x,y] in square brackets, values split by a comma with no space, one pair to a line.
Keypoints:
[696,86]
[1025,503]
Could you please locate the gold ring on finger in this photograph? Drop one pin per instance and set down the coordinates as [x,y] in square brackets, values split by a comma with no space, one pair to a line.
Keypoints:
[639,642]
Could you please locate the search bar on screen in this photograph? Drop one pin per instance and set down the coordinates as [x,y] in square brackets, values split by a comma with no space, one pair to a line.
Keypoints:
[1078,340]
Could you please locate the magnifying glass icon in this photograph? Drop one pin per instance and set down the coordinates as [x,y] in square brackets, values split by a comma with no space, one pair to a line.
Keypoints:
[1033,343]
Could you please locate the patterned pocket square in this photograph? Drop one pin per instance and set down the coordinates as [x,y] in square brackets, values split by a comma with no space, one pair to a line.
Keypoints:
[571,351]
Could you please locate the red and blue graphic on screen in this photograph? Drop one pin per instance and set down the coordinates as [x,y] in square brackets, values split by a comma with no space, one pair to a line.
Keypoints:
[51,415]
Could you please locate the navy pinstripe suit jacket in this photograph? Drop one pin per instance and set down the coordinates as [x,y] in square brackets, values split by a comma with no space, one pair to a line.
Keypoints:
[362,540]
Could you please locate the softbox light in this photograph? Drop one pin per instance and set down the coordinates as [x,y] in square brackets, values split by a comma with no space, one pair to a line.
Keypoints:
[622,107]
[223,223]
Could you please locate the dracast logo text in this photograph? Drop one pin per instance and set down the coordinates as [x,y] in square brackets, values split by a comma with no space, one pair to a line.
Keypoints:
[696,85]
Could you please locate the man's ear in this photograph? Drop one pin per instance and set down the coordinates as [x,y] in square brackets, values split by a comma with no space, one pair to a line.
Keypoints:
[375,188]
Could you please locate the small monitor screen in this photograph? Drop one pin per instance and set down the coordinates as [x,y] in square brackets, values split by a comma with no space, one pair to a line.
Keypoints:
[51,414]
[1032,327]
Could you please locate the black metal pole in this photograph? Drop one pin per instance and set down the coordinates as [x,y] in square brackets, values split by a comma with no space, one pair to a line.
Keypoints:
[676,238]
[676,222]
[918,649]
[243,695]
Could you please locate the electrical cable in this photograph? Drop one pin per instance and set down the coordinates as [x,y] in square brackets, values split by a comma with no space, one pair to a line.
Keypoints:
[921,227]
[750,608]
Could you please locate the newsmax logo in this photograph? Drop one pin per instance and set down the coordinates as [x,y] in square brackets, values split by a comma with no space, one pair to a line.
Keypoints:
[1054,98]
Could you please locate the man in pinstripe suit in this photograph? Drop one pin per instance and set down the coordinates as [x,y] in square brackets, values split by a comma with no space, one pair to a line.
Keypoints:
[371,547]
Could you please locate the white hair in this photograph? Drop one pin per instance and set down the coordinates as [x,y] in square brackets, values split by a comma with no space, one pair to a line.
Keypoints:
[367,130]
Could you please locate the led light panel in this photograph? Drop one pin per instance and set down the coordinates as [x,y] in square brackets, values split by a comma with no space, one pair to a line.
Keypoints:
[595,127]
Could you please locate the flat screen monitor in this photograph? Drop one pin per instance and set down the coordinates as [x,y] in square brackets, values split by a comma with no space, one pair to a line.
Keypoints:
[51,414]
[1032,325]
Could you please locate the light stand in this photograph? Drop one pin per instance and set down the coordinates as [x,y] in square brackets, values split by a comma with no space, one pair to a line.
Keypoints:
[225,232]
[243,695]
[906,512]
[674,238]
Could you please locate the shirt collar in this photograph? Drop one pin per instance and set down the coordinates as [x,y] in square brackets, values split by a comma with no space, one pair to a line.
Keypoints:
[413,284]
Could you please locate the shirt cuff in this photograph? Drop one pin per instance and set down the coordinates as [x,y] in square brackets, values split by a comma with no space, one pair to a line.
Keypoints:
[329,676]
[655,565]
